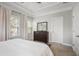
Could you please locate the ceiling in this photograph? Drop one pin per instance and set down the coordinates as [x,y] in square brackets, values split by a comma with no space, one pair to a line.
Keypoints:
[34,6]
[35,9]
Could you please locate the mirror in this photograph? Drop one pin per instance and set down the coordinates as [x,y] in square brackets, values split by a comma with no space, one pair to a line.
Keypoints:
[42,26]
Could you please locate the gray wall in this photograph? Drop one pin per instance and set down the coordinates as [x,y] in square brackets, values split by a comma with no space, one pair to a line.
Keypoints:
[67,27]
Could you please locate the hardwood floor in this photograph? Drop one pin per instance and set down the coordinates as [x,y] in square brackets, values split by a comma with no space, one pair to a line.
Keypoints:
[61,50]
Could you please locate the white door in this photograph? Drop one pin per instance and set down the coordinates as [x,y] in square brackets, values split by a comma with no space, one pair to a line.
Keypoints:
[76,29]
[57,29]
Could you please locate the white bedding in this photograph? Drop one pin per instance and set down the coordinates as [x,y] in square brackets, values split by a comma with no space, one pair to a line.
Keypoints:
[19,47]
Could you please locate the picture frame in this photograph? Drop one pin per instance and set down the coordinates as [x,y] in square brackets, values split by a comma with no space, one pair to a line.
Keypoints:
[42,26]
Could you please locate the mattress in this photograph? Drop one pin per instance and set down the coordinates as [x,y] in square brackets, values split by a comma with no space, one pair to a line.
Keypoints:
[21,47]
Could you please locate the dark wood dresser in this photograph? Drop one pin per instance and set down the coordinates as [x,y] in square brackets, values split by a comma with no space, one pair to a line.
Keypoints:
[41,36]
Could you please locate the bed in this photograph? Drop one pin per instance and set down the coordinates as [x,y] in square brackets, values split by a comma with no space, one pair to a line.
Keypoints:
[20,47]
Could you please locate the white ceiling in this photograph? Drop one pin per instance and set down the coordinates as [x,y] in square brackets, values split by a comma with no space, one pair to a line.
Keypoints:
[34,6]
[35,9]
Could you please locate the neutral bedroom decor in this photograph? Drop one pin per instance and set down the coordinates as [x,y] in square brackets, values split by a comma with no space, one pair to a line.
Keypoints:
[42,26]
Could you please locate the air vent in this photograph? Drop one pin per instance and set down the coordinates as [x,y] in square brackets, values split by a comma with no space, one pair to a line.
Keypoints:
[39,2]
[65,2]
[22,2]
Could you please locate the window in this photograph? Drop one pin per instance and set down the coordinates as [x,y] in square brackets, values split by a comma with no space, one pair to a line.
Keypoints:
[14,25]
[29,26]
[29,29]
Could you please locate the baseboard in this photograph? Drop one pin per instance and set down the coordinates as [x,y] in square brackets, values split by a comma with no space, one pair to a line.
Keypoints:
[64,43]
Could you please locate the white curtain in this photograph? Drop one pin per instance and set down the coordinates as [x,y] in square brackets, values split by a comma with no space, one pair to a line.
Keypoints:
[22,28]
[4,16]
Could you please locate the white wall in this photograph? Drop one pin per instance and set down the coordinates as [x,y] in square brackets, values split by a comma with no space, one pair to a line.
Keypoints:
[53,20]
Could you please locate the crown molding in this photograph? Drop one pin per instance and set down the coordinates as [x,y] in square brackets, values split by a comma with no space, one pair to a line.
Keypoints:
[55,9]
[16,7]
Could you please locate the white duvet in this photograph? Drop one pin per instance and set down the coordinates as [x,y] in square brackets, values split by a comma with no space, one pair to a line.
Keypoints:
[19,47]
